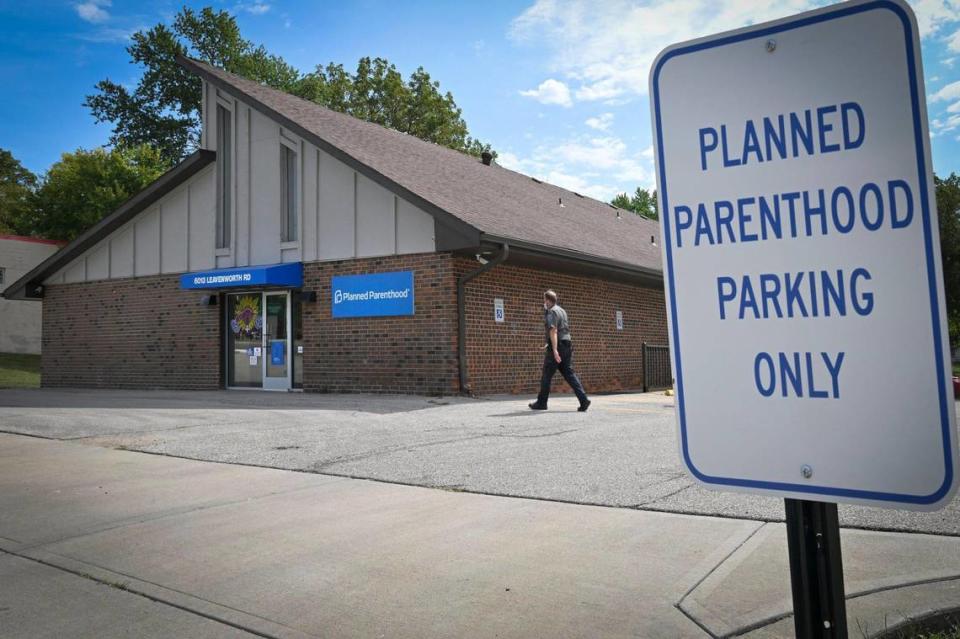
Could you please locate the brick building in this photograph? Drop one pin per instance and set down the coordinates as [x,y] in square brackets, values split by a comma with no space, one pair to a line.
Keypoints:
[303,248]
[20,320]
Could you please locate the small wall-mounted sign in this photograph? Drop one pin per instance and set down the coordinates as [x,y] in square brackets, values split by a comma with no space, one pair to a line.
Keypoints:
[619,320]
[498,314]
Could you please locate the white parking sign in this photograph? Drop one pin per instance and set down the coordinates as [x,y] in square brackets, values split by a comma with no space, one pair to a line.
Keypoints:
[801,260]
[498,314]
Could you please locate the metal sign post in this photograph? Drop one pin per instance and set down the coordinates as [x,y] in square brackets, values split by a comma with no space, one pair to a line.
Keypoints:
[816,569]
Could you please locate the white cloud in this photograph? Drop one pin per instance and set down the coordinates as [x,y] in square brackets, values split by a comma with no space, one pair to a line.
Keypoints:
[953,41]
[598,153]
[110,34]
[257,7]
[602,52]
[617,40]
[601,123]
[948,92]
[93,11]
[597,167]
[932,15]
[509,160]
[603,192]
[550,91]
[951,123]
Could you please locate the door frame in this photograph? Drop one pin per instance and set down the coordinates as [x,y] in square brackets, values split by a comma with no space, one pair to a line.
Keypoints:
[278,383]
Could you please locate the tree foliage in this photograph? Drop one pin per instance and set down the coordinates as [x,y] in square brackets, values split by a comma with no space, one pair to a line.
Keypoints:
[84,186]
[948,209]
[643,202]
[164,108]
[377,92]
[17,185]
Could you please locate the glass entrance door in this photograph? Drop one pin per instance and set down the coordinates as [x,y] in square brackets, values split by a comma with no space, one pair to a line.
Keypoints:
[258,340]
[245,340]
[276,338]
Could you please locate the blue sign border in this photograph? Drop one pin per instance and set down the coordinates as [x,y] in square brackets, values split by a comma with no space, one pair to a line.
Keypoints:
[931,272]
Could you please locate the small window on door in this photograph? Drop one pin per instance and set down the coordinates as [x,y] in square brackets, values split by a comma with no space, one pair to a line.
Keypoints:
[288,190]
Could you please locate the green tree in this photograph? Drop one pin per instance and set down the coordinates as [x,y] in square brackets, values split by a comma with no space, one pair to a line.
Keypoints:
[377,92]
[16,192]
[948,210]
[643,202]
[84,186]
[164,109]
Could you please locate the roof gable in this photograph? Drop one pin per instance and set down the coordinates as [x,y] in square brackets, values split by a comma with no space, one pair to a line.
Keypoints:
[458,189]
[26,287]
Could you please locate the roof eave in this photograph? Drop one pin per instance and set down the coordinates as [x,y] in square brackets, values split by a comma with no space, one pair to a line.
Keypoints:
[26,288]
[643,274]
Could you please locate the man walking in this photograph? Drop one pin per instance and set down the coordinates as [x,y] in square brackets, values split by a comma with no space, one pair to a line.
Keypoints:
[559,354]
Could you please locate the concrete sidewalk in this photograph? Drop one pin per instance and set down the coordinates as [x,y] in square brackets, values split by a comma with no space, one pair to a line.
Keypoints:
[623,452]
[205,549]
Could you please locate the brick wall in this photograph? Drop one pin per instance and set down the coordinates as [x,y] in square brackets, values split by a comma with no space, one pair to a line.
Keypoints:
[131,333]
[415,354]
[148,333]
[505,357]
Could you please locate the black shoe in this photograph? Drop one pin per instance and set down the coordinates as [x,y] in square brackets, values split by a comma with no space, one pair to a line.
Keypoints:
[584,406]
[536,406]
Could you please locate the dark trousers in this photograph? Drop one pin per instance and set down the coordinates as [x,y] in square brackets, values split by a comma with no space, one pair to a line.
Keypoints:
[550,367]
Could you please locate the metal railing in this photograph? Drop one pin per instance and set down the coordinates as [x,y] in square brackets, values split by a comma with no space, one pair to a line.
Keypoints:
[655,359]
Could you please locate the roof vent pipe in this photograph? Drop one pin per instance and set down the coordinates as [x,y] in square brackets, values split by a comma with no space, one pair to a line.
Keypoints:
[486,157]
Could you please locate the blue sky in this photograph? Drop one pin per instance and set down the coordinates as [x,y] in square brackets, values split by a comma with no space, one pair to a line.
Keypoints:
[558,88]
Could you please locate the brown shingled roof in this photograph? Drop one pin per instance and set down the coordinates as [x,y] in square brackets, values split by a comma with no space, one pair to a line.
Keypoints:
[500,204]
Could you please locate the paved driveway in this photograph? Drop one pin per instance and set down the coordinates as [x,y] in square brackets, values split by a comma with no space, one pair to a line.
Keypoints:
[623,452]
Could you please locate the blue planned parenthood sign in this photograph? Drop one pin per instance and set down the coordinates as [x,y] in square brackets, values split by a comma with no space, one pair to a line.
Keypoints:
[287,275]
[374,295]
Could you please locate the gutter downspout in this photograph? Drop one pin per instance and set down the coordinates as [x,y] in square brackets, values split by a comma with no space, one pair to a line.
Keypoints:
[461,313]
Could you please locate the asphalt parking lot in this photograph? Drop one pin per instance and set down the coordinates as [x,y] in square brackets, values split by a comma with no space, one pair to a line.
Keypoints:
[621,453]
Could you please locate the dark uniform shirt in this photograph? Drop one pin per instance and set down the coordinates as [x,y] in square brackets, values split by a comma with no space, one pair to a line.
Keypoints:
[556,317]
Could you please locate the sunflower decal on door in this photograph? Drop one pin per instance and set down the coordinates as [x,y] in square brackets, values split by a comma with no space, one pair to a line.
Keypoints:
[246,316]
